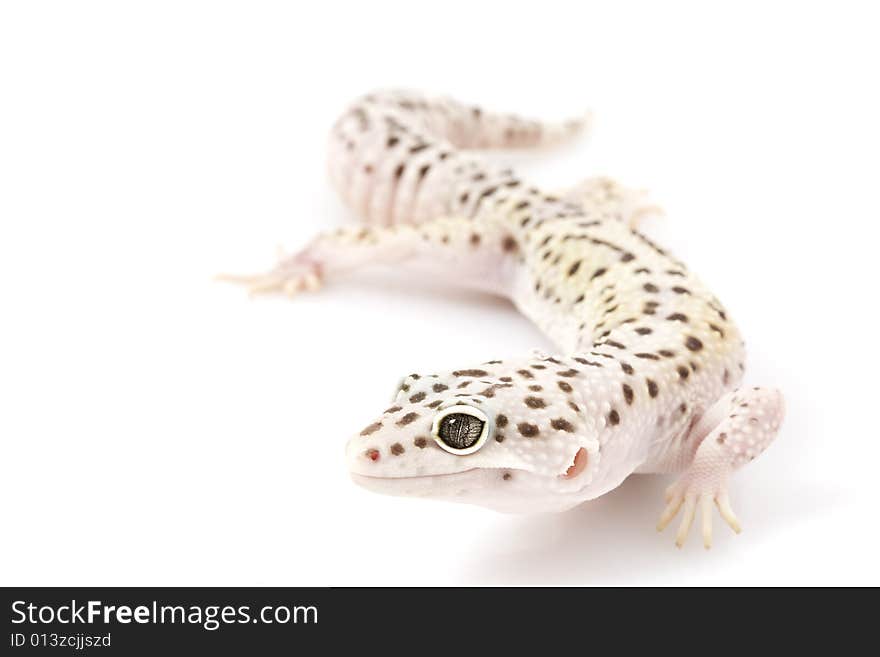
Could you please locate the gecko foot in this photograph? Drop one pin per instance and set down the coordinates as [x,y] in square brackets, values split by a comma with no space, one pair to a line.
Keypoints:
[692,496]
[290,276]
[733,432]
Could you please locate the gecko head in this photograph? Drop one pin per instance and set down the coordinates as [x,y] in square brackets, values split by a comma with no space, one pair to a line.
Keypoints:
[507,436]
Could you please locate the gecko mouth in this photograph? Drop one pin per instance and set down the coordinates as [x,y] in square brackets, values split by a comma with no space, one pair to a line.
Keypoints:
[445,485]
[360,475]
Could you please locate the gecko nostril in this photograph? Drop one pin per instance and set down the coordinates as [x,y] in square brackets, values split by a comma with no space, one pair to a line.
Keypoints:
[372,454]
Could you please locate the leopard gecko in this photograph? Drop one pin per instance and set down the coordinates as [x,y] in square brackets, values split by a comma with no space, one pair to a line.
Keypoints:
[647,374]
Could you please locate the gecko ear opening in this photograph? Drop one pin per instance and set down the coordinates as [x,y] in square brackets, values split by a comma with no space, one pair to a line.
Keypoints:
[578,465]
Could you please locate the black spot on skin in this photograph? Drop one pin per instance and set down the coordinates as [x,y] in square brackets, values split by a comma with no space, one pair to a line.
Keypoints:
[409,418]
[652,388]
[613,418]
[398,172]
[677,317]
[627,394]
[693,343]
[439,387]
[644,330]
[648,356]
[579,298]
[463,384]
[650,287]
[681,290]
[392,142]
[506,379]
[506,476]
[717,329]
[682,408]
[434,404]
[626,257]
[527,430]
[534,402]
[627,368]
[616,345]
[568,373]
[488,392]
[564,386]
[536,388]
[525,374]
[371,429]
[574,268]
[470,373]
[416,398]
[666,353]
[508,244]
[683,372]
[501,421]
[393,409]
[574,407]
[499,438]
[726,378]
[561,424]
[397,449]
[538,367]
[420,442]
[475,239]
[722,437]
[599,272]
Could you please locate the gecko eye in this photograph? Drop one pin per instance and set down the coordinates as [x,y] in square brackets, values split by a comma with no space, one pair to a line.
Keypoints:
[461,429]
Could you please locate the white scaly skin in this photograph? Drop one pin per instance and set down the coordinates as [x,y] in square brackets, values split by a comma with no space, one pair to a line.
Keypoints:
[649,363]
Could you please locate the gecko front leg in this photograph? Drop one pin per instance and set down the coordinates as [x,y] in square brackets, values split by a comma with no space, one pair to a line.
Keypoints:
[733,432]
[475,255]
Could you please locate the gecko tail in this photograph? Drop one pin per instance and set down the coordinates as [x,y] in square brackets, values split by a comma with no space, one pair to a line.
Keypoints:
[469,126]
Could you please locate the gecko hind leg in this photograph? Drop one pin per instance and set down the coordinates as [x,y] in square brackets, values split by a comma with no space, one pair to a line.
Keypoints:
[468,253]
[737,429]
[607,196]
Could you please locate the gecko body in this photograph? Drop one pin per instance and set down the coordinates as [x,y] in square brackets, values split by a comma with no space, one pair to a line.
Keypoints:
[647,374]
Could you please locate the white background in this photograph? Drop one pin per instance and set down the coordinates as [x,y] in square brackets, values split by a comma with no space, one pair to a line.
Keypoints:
[159,428]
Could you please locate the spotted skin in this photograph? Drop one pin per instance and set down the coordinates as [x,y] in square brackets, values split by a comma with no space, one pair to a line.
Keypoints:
[649,364]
